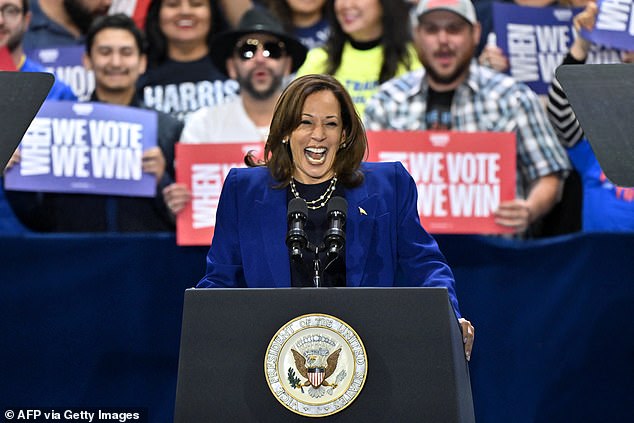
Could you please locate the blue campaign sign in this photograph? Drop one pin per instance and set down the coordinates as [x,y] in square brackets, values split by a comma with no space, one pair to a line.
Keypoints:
[67,66]
[614,26]
[536,40]
[89,148]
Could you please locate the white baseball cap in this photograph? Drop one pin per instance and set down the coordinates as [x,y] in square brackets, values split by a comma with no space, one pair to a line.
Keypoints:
[463,8]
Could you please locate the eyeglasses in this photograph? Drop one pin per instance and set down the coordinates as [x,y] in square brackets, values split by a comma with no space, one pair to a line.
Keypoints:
[10,12]
[247,49]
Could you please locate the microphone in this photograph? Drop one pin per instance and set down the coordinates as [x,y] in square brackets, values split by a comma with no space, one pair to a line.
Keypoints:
[335,237]
[296,239]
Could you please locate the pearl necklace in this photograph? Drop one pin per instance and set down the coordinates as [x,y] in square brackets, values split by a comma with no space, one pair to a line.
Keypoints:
[322,200]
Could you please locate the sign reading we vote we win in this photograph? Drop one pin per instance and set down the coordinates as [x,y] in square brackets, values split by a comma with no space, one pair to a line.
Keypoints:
[536,39]
[461,178]
[89,148]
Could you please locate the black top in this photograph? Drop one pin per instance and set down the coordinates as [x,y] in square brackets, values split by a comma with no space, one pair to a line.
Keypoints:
[333,273]
[180,88]
[438,114]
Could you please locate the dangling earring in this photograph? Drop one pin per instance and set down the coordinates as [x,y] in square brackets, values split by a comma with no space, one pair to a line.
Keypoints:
[342,146]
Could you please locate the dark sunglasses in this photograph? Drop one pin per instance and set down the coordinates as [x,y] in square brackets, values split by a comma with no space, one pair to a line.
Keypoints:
[247,49]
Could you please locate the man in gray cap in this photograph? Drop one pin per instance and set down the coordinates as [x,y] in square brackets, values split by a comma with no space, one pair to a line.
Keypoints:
[453,92]
[260,55]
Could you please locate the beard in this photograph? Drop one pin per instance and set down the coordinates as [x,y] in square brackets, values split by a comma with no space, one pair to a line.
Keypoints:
[14,41]
[246,84]
[462,68]
[79,14]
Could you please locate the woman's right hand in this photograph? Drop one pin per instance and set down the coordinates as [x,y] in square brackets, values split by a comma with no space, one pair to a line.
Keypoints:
[176,197]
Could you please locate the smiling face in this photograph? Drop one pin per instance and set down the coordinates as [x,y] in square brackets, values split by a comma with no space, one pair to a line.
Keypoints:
[116,60]
[185,21]
[360,19]
[445,43]
[316,141]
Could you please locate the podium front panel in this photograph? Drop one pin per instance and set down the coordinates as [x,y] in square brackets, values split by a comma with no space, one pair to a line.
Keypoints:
[416,369]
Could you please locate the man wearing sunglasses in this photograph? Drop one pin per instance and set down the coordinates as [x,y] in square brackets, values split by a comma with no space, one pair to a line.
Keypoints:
[260,55]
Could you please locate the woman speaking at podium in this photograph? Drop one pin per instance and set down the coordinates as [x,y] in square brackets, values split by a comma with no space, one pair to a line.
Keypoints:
[284,222]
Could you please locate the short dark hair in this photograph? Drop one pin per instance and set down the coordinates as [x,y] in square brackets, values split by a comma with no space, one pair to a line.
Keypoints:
[25,7]
[287,117]
[116,21]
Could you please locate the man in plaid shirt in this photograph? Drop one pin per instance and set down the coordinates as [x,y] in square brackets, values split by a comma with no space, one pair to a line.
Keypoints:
[454,93]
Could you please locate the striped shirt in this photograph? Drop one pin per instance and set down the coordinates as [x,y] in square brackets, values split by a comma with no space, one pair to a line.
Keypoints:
[560,112]
[486,101]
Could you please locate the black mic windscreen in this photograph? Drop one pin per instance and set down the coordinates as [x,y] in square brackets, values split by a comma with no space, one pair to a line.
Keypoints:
[338,204]
[297,205]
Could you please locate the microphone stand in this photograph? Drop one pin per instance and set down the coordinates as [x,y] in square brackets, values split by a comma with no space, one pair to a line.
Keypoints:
[334,238]
[316,269]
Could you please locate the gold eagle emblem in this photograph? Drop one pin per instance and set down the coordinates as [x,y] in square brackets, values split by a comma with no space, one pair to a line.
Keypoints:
[312,364]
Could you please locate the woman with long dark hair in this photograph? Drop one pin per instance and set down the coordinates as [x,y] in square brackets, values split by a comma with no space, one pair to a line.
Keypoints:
[369,43]
[181,77]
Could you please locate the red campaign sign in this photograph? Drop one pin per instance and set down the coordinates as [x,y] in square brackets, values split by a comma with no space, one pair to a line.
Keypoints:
[203,169]
[461,176]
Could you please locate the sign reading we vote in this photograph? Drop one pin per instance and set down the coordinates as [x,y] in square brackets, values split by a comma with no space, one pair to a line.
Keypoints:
[90,148]
[462,177]
[536,39]
[203,169]
[67,65]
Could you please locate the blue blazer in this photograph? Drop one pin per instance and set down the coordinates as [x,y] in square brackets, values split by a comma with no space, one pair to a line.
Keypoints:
[385,242]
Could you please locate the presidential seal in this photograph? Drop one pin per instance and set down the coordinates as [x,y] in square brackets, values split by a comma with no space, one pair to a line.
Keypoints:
[315,365]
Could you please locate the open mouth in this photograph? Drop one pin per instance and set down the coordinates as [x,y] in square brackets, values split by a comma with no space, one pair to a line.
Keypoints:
[349,17]
[444,57]
[261,73]
[185,23]
[315,155]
